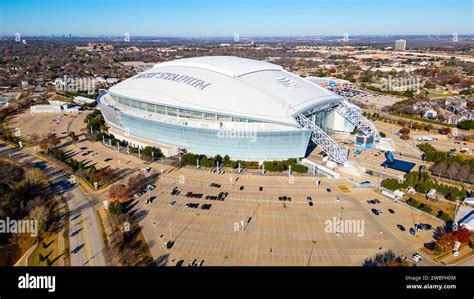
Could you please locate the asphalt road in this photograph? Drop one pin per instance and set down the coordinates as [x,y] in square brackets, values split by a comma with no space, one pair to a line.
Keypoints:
[85,237]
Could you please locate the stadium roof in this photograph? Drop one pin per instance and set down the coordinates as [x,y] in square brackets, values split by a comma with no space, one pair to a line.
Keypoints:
[227,85]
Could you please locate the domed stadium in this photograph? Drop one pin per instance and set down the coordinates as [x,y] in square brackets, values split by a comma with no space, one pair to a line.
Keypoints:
[222,105]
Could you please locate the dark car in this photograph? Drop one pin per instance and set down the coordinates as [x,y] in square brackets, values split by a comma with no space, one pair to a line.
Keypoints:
[328,190]
[391,211]
[206,206]
[179,263]
[260,188]
[430,245]
[241,188]
[375,211]
[425,226]
[169,244]
[400,227]
[310,203]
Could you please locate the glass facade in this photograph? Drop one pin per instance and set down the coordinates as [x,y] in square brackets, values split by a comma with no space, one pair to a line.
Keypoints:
[179,112]
[249,145]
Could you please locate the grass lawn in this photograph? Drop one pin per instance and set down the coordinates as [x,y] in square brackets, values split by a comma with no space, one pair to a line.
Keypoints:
[447,208]
[47,249]
[102,228]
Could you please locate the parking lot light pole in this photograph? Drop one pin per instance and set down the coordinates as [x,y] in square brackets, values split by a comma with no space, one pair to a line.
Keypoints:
[170,232]
[311,253]
[225,259]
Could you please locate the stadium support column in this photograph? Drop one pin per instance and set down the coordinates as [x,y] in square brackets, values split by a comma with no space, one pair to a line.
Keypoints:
[353,115]
[320,138]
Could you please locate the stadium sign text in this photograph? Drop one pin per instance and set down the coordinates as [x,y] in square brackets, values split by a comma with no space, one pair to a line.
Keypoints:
[188,80]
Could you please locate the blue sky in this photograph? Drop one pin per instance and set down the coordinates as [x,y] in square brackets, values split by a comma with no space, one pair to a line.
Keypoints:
[247,17]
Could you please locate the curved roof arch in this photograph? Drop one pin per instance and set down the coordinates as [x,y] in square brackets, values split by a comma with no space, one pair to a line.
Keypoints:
[227,85]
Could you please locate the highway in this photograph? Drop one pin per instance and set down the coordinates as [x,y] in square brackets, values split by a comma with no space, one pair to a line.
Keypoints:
[85,236]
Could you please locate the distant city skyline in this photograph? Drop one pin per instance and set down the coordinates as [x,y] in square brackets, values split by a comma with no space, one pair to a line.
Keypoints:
[247,18]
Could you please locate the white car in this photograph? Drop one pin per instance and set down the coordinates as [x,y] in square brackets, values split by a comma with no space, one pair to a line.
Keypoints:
[145,169]
[138,194]
[416,257]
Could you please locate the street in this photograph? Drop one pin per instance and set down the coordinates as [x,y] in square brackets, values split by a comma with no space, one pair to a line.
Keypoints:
[86,244]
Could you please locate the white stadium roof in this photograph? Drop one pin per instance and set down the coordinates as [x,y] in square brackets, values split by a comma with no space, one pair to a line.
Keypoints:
[227,85]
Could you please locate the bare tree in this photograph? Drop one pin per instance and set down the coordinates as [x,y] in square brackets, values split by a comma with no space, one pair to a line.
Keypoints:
[34,138]
[464,172]
[136,181]
[40,214]
[440,168]
[453,170]
[119,192]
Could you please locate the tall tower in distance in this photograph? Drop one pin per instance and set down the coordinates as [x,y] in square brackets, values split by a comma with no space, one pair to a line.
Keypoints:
[400,45]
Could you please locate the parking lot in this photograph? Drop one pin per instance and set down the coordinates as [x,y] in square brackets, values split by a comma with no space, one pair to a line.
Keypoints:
[90,153]
[252,227]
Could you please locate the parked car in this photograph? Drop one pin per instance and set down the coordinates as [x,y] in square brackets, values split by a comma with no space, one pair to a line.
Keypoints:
[416,257]
[150,187]
[391,211]
[430,245]
[175,191]
[425,226]
[179,263]
[376,211]
[206,206]
[145,169]
[138,194]
[169,244]
[400,227]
